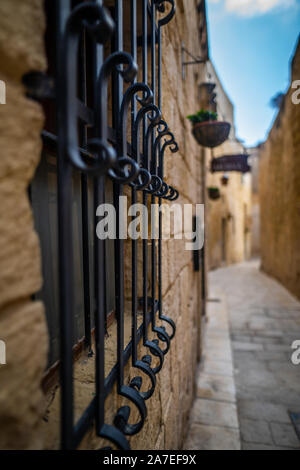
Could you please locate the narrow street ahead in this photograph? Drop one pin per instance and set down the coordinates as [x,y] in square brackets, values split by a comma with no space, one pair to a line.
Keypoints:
[264,321]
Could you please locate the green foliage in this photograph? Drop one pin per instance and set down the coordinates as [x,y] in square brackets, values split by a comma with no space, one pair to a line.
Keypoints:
[202,116]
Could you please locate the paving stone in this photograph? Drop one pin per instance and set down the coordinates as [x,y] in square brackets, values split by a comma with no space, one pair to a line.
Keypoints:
[284,366]
[255,431]
[263,324]
[217,387]
[214,413]
[212,438]
[248,446]
[264,321]
[222,344]
[278,347]
[236,332]
[288,325]
[284,435]
[245,356]
[218,354]
[256,378]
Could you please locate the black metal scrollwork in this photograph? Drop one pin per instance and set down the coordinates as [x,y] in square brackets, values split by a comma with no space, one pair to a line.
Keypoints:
[115,436]
[154,118]
[123,414]
[123,160]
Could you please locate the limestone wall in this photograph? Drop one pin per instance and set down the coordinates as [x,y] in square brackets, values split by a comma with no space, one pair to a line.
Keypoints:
[255,232]
[279,187]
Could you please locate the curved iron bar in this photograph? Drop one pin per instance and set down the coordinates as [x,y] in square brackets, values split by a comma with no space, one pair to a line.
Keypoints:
[162,8]
[164,190]
[155,351]
[136,382]
[163,130]
[99,24]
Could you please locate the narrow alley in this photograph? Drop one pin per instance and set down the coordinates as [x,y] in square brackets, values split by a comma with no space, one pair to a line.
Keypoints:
[262,385]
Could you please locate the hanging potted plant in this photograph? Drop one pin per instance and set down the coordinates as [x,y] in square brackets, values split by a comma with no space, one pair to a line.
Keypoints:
[225,180]
[207,130]
[213,193]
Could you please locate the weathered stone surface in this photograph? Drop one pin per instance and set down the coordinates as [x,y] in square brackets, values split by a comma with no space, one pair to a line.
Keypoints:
[218,368]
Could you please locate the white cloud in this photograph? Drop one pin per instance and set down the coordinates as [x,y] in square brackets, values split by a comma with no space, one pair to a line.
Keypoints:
[255,7]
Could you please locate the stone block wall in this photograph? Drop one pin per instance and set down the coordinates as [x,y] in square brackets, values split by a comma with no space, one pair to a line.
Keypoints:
[279,190]
[228,218]
[22,322]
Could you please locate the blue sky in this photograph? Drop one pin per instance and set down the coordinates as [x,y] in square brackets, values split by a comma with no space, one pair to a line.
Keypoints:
[251,43]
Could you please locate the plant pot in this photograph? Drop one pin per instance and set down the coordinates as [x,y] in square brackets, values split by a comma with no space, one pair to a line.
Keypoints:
[211,133]
[214,193]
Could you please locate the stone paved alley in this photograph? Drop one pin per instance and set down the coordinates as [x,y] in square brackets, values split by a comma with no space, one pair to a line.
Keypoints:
[264,320]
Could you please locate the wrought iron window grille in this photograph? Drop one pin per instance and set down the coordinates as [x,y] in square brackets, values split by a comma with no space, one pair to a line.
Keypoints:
[137,164]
